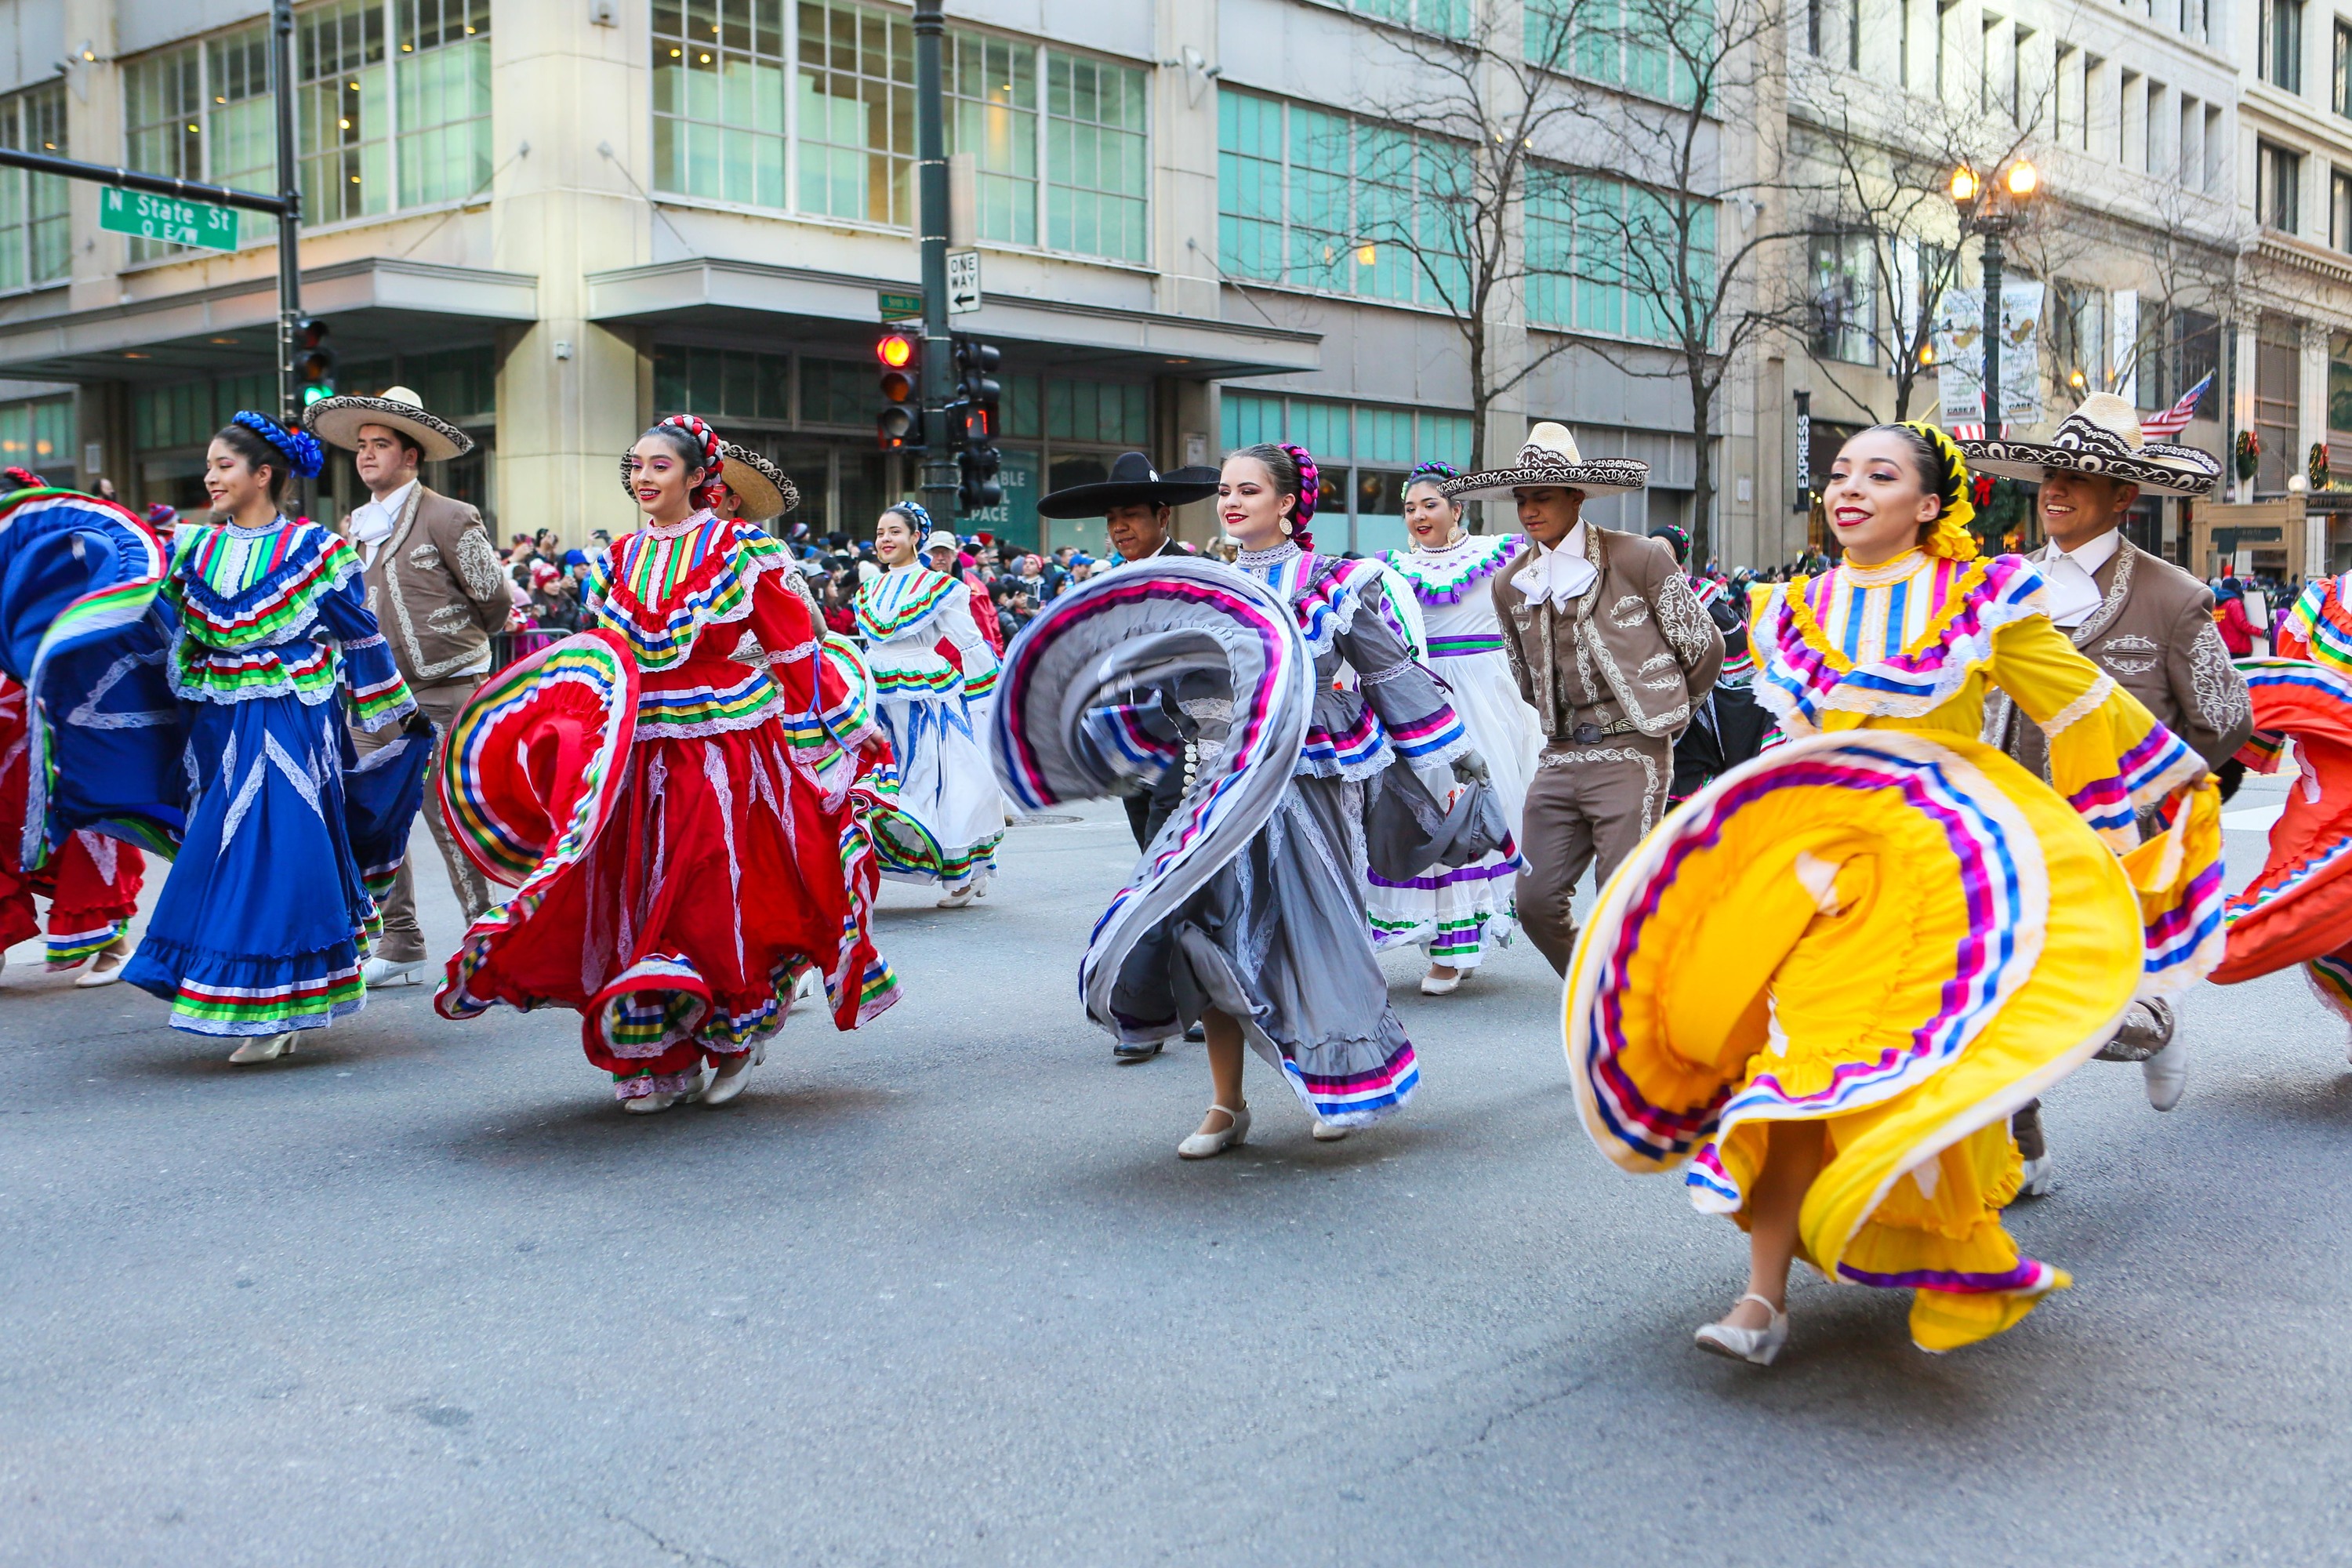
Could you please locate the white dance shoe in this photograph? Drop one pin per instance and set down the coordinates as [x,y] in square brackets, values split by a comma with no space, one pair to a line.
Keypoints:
[105,967]
[1201,1145]
[956,899]
[2041,1177]
[650,1104]
[1756,1345]
[264,1048]
[729,1080]
[381,972]
[2165,1075]
[1431,985]
[1329,1132]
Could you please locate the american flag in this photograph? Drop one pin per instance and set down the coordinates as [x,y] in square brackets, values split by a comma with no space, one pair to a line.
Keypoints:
[1976,432]
[2163,427]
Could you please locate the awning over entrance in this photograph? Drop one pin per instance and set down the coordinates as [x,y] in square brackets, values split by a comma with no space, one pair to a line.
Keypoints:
[814,309]
[372,305]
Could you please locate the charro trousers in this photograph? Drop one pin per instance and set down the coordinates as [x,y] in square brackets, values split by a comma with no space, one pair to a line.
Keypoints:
[403,938]
[1587,807]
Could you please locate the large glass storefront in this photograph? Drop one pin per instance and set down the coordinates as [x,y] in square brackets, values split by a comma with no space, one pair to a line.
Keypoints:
[814,415]
[171,426]
[1364,451]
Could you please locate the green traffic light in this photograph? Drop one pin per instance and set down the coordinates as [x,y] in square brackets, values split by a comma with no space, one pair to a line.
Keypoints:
[317,391]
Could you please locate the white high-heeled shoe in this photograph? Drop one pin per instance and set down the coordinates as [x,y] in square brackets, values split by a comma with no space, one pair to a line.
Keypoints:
[1201,1145]
[1330,1132]
[649,1104]
[1431,985]
[266,1048]
[1756,1345]
[956,899]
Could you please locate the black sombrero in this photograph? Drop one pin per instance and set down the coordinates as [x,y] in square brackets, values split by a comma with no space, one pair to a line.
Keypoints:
[2102,437]
[1550,458]
[1133,482]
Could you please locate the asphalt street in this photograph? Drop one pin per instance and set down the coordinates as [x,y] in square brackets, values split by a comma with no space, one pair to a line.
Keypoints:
[941,1292]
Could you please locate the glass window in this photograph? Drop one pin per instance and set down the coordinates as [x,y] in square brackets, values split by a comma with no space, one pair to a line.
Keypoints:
[2339,88]
[1599,254]
[719,99]
[1323,428]
[38,434]
[163,122]
[1625,42]
[1385,435]
[1248,419]
[836,392]
[1249,186]
[2339,386]
[991,107]
[1107,413]
[857,113]
[36,237]
[2280,44]
[1447,18]
[340,115]
[2278,194]
[2339,210]
[444,75]
[736,383]
[1096,171]
[1445,438]
[1844,302]
[1022,407]
[240,132]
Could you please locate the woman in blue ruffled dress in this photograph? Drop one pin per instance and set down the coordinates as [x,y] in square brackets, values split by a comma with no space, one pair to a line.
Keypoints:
[267,914]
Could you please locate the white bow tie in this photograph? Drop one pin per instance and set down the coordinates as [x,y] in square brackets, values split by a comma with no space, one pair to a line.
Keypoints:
[1557,576]
[2073,592]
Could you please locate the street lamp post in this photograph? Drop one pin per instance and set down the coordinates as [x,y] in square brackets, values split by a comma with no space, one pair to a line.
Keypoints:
[1982,211]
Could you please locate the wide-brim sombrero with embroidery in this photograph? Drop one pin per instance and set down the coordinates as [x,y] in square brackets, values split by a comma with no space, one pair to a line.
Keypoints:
[337,421]
[766,492]
[1550,457]
[2100,437]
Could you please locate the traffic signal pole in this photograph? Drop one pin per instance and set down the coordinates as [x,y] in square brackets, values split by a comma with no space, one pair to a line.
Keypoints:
[939,484]
[289,213]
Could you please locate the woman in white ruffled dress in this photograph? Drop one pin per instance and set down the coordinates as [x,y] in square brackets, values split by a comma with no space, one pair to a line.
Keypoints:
[1456,915]
[934,714]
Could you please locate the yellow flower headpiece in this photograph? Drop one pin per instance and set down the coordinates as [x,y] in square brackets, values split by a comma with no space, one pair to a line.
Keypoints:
[1951,539]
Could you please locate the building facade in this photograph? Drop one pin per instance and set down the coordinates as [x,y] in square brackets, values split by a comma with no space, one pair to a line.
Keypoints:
[561,221]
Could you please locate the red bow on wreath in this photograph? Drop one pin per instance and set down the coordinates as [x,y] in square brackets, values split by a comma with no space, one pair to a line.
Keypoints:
[1981,490]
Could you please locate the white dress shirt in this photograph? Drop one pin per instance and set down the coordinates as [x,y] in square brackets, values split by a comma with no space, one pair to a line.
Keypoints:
[372,522]
[1559,572]
[2072,578]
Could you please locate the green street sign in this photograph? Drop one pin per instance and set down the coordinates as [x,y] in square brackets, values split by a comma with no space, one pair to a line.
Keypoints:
[897,305]
[171,219]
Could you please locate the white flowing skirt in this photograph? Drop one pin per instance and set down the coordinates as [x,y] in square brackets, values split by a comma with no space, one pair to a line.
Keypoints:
[1455,914]
[946,783]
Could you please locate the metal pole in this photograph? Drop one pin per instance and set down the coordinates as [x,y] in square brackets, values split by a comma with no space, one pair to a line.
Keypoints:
[939,467]
[1992,325]
[289,215]
[133,180]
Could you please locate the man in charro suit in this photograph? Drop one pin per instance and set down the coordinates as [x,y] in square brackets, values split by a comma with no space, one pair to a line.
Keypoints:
[2143,621]
[435,585]
[1613,652]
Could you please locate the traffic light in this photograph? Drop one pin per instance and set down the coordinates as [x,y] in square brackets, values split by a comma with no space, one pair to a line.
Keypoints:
[314,361]
[899,425]
[977,394]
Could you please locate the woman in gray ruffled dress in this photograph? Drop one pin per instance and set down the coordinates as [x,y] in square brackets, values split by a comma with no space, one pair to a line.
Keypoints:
[1247,911]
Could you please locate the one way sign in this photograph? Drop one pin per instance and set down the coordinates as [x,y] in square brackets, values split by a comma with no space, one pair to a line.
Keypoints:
[963,282]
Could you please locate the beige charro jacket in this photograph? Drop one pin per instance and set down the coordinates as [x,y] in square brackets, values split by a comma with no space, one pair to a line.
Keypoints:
[1637,654]
[2153,633]
[436,588]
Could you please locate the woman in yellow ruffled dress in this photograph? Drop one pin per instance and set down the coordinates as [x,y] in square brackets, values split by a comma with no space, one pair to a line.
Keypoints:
[1825,982]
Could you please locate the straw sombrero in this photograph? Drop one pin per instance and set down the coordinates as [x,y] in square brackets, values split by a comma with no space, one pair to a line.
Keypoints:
[1550,457]
[337,421]
[2102,436]
[766,492]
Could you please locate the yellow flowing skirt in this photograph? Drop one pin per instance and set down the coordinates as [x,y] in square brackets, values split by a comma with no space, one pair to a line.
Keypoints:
[1901,937]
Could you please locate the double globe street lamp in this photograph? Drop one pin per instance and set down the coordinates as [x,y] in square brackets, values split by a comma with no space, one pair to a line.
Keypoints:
[1991,210]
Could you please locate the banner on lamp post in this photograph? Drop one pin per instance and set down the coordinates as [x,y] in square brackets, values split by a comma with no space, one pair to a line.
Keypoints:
[1959,354]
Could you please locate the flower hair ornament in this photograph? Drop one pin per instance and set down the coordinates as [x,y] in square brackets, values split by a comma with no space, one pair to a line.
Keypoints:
[1951,539]
[1310,490]
[303,454]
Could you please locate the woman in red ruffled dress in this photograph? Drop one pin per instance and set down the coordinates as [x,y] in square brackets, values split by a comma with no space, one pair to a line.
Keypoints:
[666,789]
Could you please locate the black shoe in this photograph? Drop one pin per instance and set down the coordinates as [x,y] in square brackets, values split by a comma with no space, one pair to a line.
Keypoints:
[1129,1055]
[1196,1033]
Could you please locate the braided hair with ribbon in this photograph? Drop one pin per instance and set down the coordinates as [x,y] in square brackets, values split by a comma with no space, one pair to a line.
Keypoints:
[918,516]
[299,447]
[695,444]
[1295,475]
[1946,473]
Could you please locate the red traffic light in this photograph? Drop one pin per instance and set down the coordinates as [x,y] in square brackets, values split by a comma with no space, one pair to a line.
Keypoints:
[896,350]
